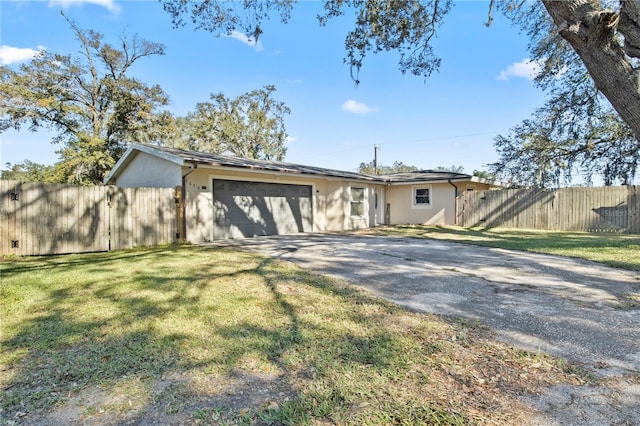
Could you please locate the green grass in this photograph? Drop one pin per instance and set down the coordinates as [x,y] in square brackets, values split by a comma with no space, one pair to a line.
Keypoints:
[617,250]
[186,334]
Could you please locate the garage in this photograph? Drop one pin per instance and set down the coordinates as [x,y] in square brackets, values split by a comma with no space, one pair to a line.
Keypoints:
[247,209]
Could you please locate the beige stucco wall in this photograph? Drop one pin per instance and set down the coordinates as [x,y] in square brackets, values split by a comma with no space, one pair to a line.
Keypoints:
[443,205]
[472,186]
[149,171]
[441,211]
[331,203]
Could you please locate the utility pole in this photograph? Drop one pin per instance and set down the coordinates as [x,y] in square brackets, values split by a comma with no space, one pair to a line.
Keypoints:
[375,159]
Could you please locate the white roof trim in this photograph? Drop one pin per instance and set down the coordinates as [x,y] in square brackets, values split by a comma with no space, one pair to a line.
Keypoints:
[428,182]
[130,155]
[300,176]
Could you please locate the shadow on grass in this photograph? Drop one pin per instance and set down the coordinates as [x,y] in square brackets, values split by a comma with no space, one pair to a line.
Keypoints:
[106,320]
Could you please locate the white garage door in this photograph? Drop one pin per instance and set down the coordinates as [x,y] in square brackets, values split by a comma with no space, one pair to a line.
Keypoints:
[247,209]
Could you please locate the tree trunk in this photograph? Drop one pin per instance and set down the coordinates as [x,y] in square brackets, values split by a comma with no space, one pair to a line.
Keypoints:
[593,33]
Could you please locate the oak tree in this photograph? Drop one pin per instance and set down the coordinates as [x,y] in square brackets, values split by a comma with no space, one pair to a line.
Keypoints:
[576,131]
[251,125]
[89,99]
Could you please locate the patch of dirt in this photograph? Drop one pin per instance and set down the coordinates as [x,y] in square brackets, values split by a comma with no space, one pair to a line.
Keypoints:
[614,401]
[173,400]
[488,381]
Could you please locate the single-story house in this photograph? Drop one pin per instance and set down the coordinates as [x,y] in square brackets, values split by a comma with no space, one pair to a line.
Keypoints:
[231,197]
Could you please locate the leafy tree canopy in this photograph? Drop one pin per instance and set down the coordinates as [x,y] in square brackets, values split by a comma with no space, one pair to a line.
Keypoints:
[89,99]
[575,131]
[546,150]
[452,168]
[397,167]
[28,171]
[485,174]
[249,126]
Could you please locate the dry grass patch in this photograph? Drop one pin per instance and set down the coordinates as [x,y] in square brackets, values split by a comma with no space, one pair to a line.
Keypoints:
[188,334]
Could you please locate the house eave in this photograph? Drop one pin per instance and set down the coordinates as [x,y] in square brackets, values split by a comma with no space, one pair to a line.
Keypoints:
[427,181]
[287,172]
[131,153]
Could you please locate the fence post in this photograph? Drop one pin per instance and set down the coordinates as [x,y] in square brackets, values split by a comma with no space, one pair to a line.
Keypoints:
[9,206]
[633,209]
[108,211]
[179,201]
[460,209]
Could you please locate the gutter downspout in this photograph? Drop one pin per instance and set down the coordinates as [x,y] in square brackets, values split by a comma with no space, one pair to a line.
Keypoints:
[184,201]
[455,203]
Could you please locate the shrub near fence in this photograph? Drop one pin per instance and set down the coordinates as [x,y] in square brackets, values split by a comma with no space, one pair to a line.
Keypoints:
[41,219]
[605,209]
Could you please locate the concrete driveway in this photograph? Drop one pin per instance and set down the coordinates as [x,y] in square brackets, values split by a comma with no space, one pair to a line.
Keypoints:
[570,308]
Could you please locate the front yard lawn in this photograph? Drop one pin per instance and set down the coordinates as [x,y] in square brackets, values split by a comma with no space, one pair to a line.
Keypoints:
[184,334]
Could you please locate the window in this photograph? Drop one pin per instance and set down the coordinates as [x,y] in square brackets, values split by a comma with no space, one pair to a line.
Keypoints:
[357,202]
[421,197]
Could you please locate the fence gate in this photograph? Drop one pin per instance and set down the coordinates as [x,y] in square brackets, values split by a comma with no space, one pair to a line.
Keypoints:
[43,219]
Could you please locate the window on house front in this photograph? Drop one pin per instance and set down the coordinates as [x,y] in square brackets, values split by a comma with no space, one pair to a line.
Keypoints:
[422,197]
[357,201]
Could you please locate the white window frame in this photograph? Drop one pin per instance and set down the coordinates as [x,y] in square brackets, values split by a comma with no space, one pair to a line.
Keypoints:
[414,190]
[352,201]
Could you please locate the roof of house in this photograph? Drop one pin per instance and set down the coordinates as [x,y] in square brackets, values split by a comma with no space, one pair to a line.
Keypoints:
[424,176]
[184,157]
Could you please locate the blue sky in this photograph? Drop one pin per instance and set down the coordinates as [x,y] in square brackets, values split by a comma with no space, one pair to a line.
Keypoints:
[483,88]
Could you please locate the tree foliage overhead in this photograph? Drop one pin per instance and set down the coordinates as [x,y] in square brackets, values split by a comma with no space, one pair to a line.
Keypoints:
[577,130]
[605,34]
[88,99]
[249,126]
[407,26]
[573,132]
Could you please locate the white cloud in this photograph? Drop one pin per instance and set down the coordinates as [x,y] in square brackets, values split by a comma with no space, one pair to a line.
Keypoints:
[11,55]
[109,4]
[525,69]
[246,40]
[290,140]
[357,107]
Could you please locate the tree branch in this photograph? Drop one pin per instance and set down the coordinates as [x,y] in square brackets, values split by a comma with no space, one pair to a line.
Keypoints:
[590,30]
[629,26]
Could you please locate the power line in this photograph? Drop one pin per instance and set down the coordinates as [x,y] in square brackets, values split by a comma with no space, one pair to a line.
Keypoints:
[378,145]
[440,138]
